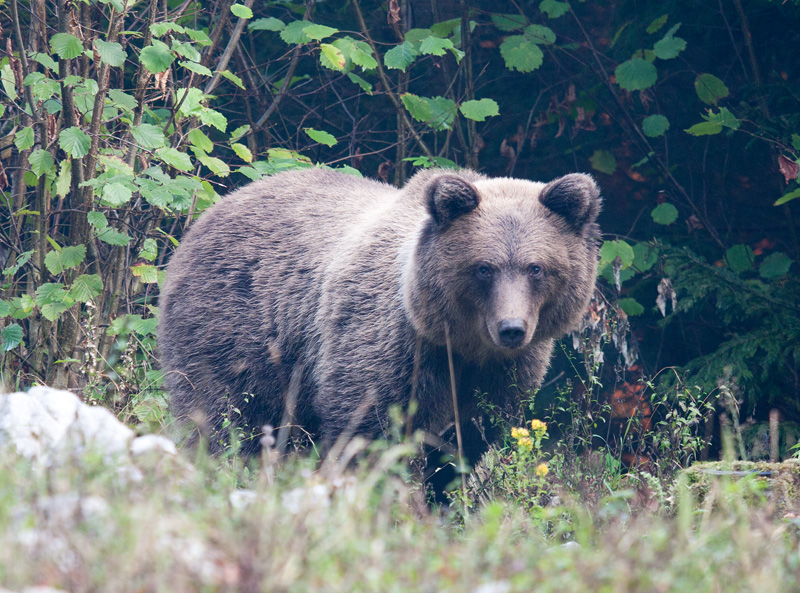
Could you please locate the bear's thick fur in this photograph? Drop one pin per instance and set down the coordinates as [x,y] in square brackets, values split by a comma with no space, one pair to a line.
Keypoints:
[321,299]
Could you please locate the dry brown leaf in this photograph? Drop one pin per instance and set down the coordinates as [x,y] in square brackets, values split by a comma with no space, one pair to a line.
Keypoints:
[789,168]
[393,17]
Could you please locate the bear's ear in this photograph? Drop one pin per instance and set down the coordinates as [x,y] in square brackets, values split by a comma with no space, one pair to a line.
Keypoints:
[575,197]
[450,196]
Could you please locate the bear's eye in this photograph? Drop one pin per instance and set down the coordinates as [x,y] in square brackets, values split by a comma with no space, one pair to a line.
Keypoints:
[484,272]
[535,271]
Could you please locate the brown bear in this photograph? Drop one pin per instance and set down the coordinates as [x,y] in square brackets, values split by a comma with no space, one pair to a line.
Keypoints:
[321,299]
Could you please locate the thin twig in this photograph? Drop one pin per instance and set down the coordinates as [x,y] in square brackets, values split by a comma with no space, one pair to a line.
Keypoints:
[456,416]
[226,55]
[387,85]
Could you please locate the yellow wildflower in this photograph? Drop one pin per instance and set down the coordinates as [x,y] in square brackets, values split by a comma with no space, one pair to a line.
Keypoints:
[538,425]
[525,443]
[520,433]
[542,469]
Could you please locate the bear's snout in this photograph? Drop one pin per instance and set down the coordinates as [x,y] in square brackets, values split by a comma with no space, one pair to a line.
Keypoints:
[511,332]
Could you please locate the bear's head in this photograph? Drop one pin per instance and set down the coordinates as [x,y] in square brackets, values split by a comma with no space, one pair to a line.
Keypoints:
[504,263]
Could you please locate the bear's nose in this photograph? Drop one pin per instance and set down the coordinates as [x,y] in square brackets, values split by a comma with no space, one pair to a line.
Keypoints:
[511,332]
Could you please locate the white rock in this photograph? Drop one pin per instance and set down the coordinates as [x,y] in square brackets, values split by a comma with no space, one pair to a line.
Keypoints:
[493,587]
[50,425]
[152,443]
[241,499]
[44,422]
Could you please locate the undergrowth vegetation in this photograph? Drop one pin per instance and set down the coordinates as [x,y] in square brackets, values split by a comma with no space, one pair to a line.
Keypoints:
[121,121]
[289,526]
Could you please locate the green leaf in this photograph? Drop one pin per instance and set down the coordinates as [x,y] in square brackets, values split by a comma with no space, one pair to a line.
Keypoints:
[241,11]
[632,307]
[156,57]
[435,46]
[294,32]
[196,68]
[199,139]
[710,89]
[509,22]
[656,24]
[146,273]
[361,55]
[64,179]
[66,46]
[75,142]
[149,250]
[540,34]
[217,166]
[447,28]
[775,265]
[706,128]
[239,132]
[12,336]
[521,54]
[41,162]
[22,259]
[603,161]
[242,152]
[739,258]
[110,53]
[655,125]
[122,100]
[50,292]
[175,158]
[113,237]
[52,311]
[645,256]
[66,259]
[116,194]
[437,112]
[318,32]
[611,250]
[665,213]
[97,220]
[161,29]
[668,47]
[636,74]
[23,139]
[9,83]
[479,110]
[213,118]
[86,287]
[199,37]
[268,24]
[143,327]
[148,136]
[401,56]
[331,57]
[46,61]
[356,79]
[724,117]
[553,8]
[415,35]
[321,136]
[792,195]
[233,78]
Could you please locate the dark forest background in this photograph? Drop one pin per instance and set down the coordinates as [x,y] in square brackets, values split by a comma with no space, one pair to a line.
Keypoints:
[120,122]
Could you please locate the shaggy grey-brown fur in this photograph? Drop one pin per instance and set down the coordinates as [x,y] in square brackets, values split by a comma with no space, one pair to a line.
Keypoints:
[323,288]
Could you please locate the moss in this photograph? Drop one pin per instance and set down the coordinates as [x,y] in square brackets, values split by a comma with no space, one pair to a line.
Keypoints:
[775,485]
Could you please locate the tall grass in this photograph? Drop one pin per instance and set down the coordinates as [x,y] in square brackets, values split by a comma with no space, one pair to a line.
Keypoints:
[291,525]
